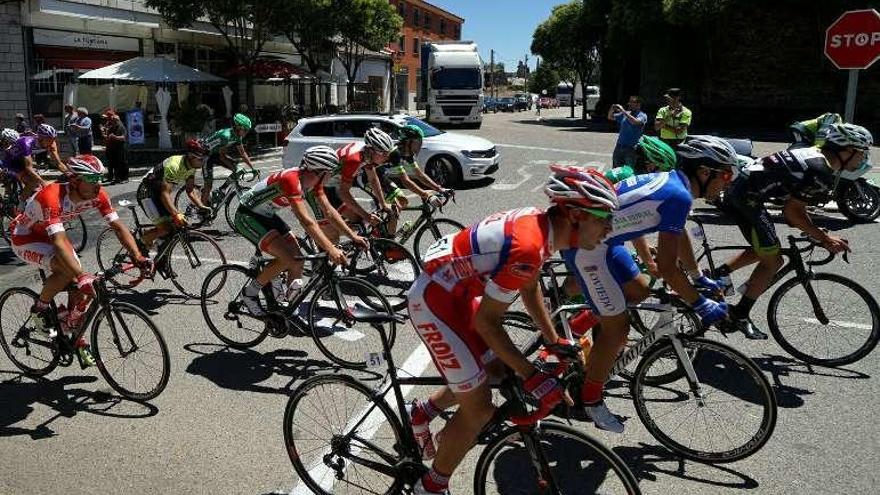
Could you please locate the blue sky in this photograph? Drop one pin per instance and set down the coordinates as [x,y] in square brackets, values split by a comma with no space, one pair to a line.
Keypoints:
[503,25]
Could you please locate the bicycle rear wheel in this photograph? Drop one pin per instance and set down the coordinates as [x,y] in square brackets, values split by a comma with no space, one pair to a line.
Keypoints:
[341,336]
[853,327]
[389,266]
[226,315]
[332,419]
[433,229]
[130,352]
[76,231]
[30,350]
[190,261]
[110,252]
[731,417]
[570,462]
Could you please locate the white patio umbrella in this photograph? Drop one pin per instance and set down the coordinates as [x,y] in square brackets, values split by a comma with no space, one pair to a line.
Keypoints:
[163,100]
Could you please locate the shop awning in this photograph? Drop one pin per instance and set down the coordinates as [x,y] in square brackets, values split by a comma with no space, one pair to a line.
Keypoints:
[150,70]
[79,58]
[271,69]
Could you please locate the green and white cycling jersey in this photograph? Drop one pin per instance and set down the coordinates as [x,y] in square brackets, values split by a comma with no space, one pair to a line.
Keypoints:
[221,139]
[398,165]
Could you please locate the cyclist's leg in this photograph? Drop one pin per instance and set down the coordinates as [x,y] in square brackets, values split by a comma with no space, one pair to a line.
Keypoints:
[285,248]
[208,178]
[161,218]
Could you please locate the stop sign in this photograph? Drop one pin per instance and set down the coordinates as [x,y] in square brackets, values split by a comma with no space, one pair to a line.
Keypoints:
[853,40]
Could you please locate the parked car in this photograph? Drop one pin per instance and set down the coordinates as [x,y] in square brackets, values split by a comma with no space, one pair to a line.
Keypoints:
[447,157]
[523,101]
[490,104]
[506,104]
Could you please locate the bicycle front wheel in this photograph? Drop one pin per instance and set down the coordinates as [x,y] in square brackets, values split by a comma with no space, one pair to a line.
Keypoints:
[186,206]
[190,259]
[431,231]
[340,335]
[728,414]
[110,252]
[332,423]
[389,266]
[130,352]
[853,320]
[232,203]
[550,459]
[225,313]
[30,350]
[76,231]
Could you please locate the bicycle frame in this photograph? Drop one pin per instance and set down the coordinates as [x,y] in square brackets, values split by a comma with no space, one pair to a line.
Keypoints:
[164,251]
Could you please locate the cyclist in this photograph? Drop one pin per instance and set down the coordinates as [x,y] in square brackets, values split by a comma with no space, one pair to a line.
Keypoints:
[38,238]
[470,279]
[154,192]
[257,220]
[608,276]
[653,155]
[798,177]
[367,155]
[808,132]
[47,139]
[403,167]
[18,163]
[218,144]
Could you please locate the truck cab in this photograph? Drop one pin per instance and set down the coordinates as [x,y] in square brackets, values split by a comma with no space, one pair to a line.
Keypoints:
[452,78]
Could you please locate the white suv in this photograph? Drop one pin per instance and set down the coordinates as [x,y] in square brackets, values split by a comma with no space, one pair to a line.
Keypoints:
[447,157]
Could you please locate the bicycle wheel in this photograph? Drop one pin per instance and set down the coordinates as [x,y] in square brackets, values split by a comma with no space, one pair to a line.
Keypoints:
[389,266]
[685,323]
[229,210]
[110,252]
[4,228]
[330,422]
[226,315]
[188,262]
[30,350]
[186,206]
[432,230]
[129,351]
[853,327]
[571,461]
[731,415]
[76,231]
[338,334]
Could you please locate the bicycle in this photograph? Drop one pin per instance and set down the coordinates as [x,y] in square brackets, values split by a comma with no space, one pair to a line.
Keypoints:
[808,328]
[679,368]
[427,228]
[180,257]
[132,340]
[333,316]
[225,196]
[338,430]
[75,228]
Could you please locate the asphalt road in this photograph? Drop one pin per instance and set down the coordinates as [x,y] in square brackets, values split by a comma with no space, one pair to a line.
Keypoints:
[217,426]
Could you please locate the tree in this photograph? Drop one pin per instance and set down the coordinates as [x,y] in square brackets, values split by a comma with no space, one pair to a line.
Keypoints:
[544,78]
[312,28]
[566,44]
[364,25]
[246,25]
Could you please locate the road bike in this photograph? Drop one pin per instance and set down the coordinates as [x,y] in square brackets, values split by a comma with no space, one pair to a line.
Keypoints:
[225,197]
[74,228]
[701,399]
[185,256]
[328,308]
[344,435]
[128,348]
[427,228]
[820,318]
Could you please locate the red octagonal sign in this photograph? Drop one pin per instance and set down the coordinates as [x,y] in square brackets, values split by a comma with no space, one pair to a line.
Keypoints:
[853,40]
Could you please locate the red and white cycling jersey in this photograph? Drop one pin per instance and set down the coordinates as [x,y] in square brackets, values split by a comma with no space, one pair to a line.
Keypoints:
[46,211]
[280,189]
[495,257]
[351,160]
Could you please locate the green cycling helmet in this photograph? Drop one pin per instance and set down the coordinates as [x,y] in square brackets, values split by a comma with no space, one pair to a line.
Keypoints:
[411,131]
[653,150]
[242,120]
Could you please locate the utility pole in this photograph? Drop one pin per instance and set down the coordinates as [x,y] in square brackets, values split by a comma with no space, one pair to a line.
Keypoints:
[527,74]
[492,73]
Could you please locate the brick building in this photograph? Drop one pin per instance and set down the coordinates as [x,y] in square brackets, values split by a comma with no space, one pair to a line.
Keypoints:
[422,22]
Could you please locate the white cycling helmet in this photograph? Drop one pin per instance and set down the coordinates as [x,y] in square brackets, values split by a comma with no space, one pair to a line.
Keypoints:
[8,136]
[848,136]
[585,187]
[379,140]
[320,159]
[46,131]
[86,166]
[707,149]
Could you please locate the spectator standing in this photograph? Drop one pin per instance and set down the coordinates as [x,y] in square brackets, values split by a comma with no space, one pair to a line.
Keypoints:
[69,118]
[632,122]
[673,120]
[82,126]
[114,133]
[21,124]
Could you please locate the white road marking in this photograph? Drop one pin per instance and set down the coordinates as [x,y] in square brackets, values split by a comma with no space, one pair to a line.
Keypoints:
[556,150]
[414,366]
[510,187]
[843,324]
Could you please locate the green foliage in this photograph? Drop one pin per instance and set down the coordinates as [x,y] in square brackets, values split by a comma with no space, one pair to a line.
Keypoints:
[311,26]
[364,25]
[567,42]
[544,78]
[191,118]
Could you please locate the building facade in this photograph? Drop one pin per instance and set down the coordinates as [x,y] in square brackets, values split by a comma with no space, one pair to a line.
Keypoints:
[422,22]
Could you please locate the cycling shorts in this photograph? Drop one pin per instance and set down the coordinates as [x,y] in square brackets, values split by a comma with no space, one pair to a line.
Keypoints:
[446,328]
[601,274]
[391,189]
[255,227]
[747,210]
[208,167]
[36,250]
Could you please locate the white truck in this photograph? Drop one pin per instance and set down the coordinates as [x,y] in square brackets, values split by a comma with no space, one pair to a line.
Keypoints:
[452,83]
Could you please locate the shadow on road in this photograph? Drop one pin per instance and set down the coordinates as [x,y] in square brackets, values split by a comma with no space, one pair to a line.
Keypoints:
[153,299]
[245,370]
[21,393]
[647,461]
[779,367]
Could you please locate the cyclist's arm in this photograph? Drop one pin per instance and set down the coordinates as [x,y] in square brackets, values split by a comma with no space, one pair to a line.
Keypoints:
[344,190]
[64,253]
[426,179]
[412,186]
[795,214]
[190,188]
[301,212]
[487,322]
[29,175]
[686,254]
[376,186]
[334,216]
[244,155]
[165,198]
[56,159]
[225,159]
[667,264]
[126,239]
[640,244]
[533,299]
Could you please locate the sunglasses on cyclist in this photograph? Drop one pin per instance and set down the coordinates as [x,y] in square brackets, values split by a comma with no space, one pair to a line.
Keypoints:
[603,214]
[92,179]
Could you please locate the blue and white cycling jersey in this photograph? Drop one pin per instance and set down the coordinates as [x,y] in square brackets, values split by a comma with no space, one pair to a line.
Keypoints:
[601,274]
[651,203]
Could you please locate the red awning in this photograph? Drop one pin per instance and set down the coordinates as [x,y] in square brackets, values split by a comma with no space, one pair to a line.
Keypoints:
[269,68]
[79,58]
